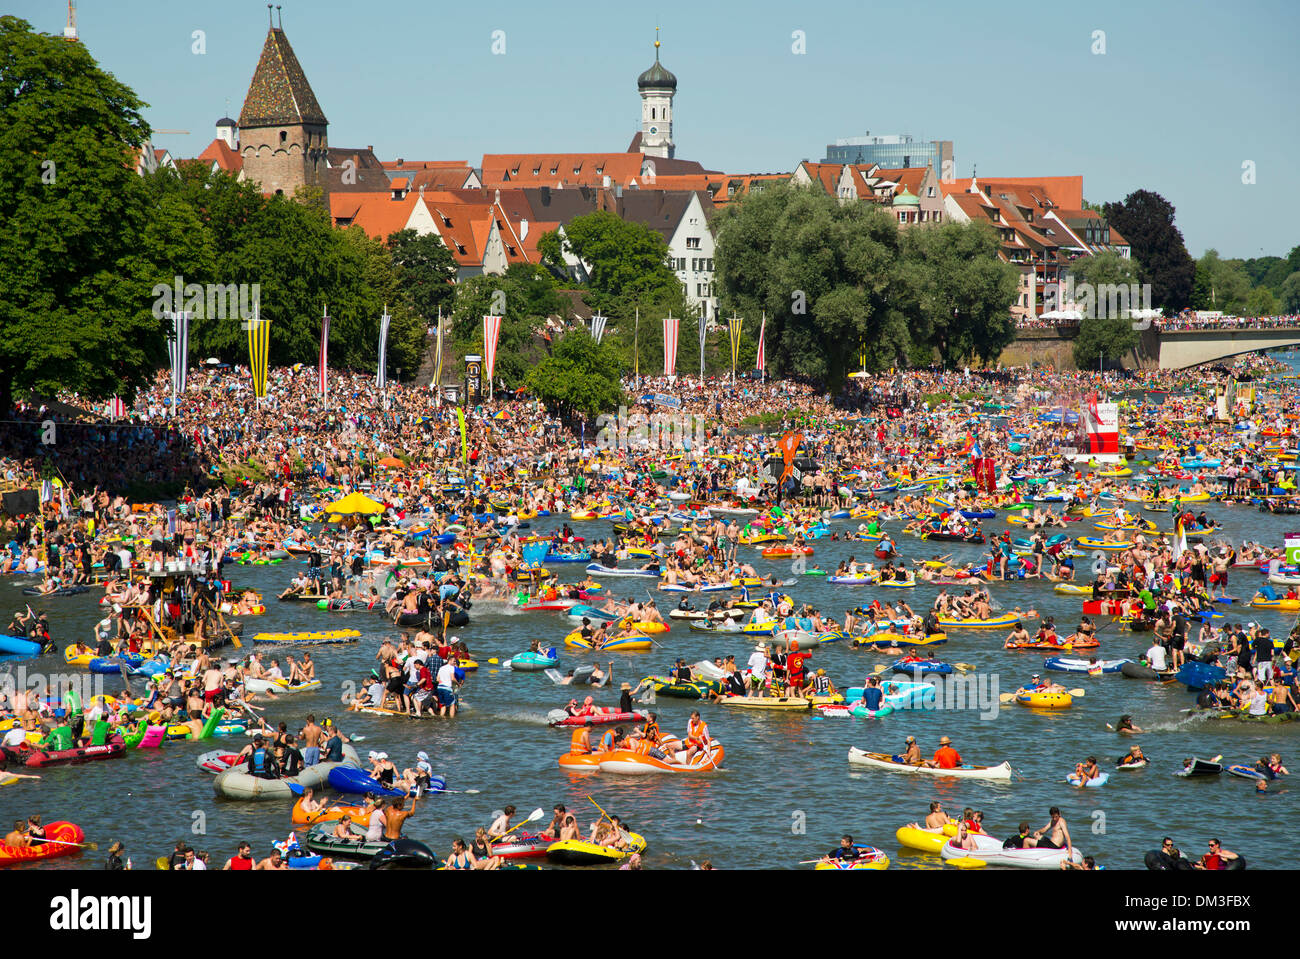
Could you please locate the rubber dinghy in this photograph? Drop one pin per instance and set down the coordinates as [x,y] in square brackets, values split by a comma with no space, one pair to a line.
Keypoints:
[629,763]
[990,851]
[860,757]
[236,783]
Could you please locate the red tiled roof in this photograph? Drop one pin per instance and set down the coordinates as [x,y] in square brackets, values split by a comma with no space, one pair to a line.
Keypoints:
[376,213]
[222,156]
[560,169]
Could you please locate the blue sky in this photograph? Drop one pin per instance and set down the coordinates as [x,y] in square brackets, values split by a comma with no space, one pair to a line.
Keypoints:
[1185,93]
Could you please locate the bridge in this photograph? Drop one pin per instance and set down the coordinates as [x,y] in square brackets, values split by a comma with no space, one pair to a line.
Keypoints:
[1167,349]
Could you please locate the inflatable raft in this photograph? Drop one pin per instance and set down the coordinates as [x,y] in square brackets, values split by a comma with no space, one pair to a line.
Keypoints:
[989,850]
[630,763]
[236,783]
[579,852]
[66,838]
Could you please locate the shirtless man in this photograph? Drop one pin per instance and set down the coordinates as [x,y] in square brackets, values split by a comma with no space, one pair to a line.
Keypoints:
[911,754]
[395,816]
[312,736]
[935,820]
[1055,835]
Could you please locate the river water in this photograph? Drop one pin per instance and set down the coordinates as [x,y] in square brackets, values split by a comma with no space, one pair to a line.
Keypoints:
[787,792]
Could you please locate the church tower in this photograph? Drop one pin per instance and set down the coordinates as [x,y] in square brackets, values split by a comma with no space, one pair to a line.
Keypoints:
[657,86]
[282,129]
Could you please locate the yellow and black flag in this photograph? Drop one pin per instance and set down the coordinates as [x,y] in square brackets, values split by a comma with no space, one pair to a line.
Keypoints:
[734,326]
[259,352]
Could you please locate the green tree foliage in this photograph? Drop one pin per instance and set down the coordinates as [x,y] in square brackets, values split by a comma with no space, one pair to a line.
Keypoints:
[628,261]
[1106,268]
[524,297]
[1146,220]
[1220,284]
[426,272]
[1291,293]
[839,280]
[300,263]
[1110,337]
[74,289]
[964,290]
[1106,329]
[578,377]
[1262,302]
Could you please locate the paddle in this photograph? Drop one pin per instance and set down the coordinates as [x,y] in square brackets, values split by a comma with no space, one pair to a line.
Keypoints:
[623,833]
[91,845]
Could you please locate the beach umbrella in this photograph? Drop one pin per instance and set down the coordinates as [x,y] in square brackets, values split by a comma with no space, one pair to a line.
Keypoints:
[354,504]
[392,462]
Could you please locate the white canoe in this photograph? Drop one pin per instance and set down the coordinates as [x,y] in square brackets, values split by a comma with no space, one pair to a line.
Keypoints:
[235,783]
[861,757]
[989,850]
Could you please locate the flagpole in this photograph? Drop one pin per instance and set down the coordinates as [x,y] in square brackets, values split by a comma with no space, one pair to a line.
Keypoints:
[171,315]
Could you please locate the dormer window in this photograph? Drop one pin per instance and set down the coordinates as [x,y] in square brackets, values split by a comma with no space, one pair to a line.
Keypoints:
[446,222]
[554,168]
[460,248]
[537,169]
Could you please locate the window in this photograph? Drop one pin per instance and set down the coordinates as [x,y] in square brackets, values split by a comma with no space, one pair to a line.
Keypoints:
[460,248]
[283,136]
[692,243]
[929,192]
[446,222]
[537,169]
[554,168]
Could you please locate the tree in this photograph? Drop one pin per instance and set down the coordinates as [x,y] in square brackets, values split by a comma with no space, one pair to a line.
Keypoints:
[74,289]
[1146,220]
[578,376]
[1106,268]
[1261,302]
[426,272]
[1110,337]
[627,261]
[965,292]
[830,278]
[1291,293]
[1220,284]
[524,297]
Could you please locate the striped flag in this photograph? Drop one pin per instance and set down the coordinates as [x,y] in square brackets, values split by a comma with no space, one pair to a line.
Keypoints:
[598,327]
[116,408]
[704,336]
[760,362]
[671,325]
[491,332]
[178,348]
[734,326]
[381,377]
[259,351]
[437,357]
[324,349]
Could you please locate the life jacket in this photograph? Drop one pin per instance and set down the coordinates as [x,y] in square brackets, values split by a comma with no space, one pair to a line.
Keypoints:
[651,731]
[580,742]
[257,761]
[696,731]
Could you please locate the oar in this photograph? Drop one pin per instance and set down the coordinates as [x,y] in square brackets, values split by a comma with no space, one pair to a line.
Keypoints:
[91,845]
[623,833]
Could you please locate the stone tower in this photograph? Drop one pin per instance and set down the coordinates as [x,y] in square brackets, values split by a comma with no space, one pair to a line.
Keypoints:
[282,129]
[657,86]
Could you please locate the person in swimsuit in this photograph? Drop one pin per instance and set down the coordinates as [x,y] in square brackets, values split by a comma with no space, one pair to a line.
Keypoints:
[461,857]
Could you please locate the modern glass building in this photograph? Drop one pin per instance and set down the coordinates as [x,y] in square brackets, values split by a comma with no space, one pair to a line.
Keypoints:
[893,152]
